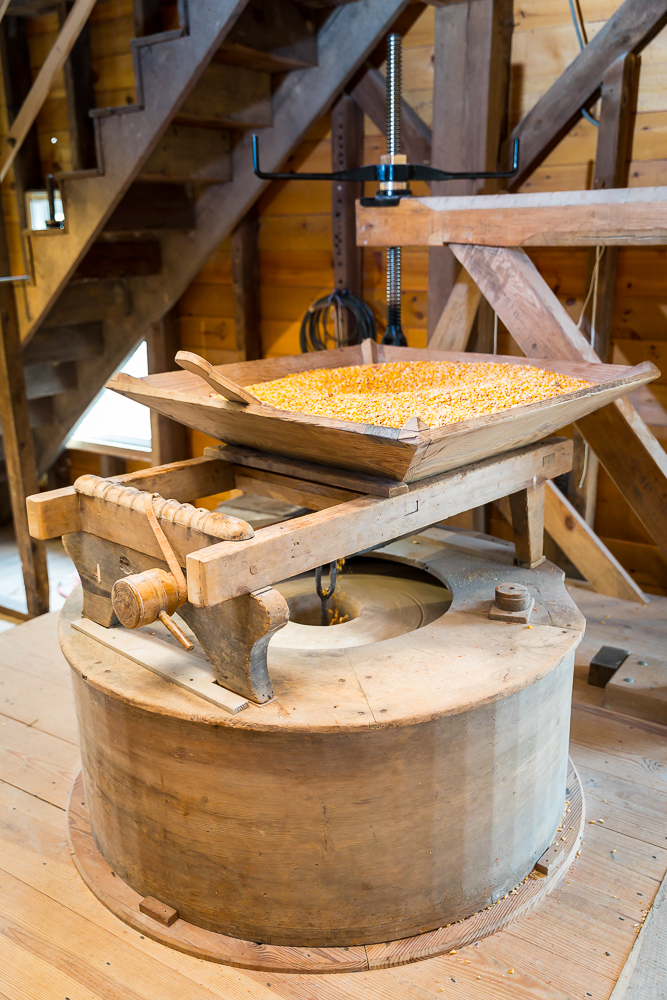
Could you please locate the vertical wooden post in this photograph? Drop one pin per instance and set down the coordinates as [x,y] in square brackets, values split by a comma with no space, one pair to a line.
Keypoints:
[347,150]
[17,440]
[470,105]
[17,78]
[527,507]
[245,280]
[170,439]
[612,156]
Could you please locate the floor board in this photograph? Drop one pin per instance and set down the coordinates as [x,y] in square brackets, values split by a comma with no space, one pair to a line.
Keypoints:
[57,941]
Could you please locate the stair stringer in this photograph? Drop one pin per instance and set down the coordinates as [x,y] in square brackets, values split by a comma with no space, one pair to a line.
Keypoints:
[344,42]
[167,67]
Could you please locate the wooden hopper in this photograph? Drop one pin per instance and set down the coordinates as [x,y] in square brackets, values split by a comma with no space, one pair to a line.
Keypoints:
[407,455]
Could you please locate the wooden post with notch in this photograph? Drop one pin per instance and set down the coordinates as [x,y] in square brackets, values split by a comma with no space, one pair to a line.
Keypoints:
[17,440]
[613,152]
[347,150]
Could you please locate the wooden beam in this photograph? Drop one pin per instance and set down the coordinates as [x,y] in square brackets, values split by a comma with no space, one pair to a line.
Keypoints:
[612,158]
[221,572]
[617,217]
[457,318]
[582,547]
[169,438]
[470,108]
[63,45]
[245,284]
[17,441]
[629,29]
[542,328]
[58,512]
[370,93]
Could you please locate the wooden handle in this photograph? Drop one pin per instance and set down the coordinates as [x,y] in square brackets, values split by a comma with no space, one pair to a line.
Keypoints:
[230,390]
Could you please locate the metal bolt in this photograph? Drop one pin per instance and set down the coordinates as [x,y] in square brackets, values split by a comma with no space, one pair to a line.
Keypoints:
[512,597]
[629,680]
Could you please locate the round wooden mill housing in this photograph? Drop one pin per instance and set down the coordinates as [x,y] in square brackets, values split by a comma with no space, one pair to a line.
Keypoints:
[409,771]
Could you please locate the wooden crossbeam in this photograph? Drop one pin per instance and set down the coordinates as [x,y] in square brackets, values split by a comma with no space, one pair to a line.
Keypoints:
[63,45]
[542,328]
[617,217]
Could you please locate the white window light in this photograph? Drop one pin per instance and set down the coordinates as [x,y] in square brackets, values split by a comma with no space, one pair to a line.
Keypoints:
[114,422]
[38,209]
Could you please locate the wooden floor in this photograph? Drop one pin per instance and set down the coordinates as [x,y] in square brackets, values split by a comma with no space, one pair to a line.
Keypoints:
[58,943]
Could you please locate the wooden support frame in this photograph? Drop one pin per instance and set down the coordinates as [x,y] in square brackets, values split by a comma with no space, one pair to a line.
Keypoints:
[224,571]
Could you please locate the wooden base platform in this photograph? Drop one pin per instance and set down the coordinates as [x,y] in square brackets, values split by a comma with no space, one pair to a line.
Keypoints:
[58,941]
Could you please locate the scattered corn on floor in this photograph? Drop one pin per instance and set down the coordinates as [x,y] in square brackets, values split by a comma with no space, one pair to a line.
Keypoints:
[390,394]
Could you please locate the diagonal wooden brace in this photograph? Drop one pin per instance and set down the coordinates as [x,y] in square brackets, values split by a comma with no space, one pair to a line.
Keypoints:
[542,328]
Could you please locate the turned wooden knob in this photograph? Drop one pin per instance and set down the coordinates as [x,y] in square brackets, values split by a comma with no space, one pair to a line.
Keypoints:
[512,597]
[139,599]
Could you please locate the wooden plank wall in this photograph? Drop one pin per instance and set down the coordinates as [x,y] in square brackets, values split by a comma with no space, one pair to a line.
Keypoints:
[295,224]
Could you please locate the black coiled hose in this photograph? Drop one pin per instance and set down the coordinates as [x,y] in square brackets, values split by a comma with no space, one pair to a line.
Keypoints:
[324,324]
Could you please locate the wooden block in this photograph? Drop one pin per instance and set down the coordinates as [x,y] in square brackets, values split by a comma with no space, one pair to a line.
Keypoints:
[604,665]
[639,688]
[550,859]
[54,513]
[173,664]
[164,914]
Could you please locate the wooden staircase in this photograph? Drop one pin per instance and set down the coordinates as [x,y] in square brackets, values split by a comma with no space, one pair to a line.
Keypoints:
[173,176]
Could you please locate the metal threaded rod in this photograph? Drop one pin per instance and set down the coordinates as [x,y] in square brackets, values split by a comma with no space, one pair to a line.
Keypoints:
[393,288]
[394,332]
[394,94]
